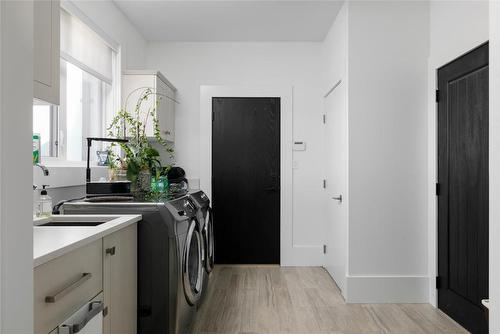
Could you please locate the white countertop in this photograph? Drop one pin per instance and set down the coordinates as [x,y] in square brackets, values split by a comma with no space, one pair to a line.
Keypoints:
[50,242]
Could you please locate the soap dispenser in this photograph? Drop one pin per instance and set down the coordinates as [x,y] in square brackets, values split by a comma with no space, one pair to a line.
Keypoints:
[45,203]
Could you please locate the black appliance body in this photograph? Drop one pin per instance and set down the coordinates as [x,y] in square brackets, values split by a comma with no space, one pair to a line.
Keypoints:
[169,259]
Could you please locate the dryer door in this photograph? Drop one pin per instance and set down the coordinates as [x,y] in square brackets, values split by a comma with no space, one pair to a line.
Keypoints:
[192,266]
[208,236]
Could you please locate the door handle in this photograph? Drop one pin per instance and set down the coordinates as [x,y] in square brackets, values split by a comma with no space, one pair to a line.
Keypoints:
[275,183]
[94,309]
[111,251]
[339,198]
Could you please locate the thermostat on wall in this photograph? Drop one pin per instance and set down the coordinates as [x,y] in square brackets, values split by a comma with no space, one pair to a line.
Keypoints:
[299,146]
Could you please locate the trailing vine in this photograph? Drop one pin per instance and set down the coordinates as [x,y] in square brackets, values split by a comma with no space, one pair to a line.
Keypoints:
[138,154]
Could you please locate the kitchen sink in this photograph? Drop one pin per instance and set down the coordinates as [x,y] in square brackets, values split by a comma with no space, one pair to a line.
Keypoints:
[73,223]
[73,220]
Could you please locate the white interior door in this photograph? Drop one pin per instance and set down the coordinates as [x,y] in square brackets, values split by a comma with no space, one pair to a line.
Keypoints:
[336,184]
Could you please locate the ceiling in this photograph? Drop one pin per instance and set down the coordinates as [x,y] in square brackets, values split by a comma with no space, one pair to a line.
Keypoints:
[209,21]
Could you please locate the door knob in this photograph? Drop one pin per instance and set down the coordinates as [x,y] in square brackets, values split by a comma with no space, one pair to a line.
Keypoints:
[339,198]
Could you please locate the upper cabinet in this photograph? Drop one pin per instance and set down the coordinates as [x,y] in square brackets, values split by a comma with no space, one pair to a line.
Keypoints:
[46,50]
[134,84]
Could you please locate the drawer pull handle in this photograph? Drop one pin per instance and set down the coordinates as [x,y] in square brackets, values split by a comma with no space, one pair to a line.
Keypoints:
[94,309]
[83,278]
[111,250]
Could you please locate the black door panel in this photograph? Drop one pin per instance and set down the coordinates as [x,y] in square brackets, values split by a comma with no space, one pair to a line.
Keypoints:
[463,177]
[246,180]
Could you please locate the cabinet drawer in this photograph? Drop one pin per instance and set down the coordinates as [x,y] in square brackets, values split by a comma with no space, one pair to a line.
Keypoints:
[63,285]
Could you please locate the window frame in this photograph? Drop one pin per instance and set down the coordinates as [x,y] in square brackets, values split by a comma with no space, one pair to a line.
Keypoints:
[54,135]
[58,142]
[53,139]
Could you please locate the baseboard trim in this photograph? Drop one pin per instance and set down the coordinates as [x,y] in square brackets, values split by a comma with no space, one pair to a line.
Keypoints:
[337,273]
[387,289]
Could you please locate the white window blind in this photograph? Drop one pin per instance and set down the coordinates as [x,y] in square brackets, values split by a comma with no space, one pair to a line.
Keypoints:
[84,48]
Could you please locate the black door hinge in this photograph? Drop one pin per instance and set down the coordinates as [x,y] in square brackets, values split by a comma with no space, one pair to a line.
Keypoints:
[437,95]
[105,311]
[324,118]
[324,184]
[438,189]
[438,282]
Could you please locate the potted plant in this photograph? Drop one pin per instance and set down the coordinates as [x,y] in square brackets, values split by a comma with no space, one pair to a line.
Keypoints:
[138,159]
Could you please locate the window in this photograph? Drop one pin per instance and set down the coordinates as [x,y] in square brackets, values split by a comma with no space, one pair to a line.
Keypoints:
[87,94]
[84,111]
[45,124]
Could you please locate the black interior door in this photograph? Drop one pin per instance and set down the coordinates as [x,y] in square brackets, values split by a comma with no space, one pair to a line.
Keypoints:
[246,179]
[463,184]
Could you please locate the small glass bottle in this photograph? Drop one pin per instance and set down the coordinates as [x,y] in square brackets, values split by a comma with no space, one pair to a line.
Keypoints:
[44,203]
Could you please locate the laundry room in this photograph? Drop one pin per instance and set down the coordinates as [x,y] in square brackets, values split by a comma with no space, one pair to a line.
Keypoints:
[242,166]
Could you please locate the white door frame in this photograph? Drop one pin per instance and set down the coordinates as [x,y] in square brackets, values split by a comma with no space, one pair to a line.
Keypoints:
[289,253]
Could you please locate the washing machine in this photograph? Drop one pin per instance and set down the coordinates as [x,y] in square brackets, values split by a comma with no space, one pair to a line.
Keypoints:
[188,285]
[169,260]
[204,214]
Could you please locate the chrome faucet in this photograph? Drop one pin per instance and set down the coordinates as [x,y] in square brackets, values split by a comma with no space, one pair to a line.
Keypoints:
[44,169]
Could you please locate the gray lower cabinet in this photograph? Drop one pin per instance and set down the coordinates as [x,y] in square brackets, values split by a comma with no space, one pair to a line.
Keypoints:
[108,265]
[65,284]
[120,281]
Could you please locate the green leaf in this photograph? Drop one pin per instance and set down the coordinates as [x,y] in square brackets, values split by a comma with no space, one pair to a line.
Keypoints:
[151,152]
[132,170]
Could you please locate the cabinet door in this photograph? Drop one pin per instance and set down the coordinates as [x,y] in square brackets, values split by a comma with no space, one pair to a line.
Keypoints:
[46,50]
[133,87]
[166,111]
[120,281]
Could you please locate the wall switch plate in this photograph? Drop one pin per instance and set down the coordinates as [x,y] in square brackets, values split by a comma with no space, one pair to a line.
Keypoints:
[299,146]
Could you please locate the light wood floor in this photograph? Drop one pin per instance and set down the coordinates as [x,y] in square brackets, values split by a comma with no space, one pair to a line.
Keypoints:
[273,299]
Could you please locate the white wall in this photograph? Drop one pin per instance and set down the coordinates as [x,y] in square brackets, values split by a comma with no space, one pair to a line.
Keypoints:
[334,51]
[455,28]
[388,50]
[383,131]
[16,229]
[494,166]
[191,65]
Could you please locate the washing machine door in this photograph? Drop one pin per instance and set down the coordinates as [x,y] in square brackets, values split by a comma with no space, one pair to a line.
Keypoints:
[192,268]
[208,237]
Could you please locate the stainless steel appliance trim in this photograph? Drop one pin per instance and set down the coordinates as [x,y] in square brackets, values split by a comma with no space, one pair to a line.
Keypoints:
[209,240]
[192,295]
